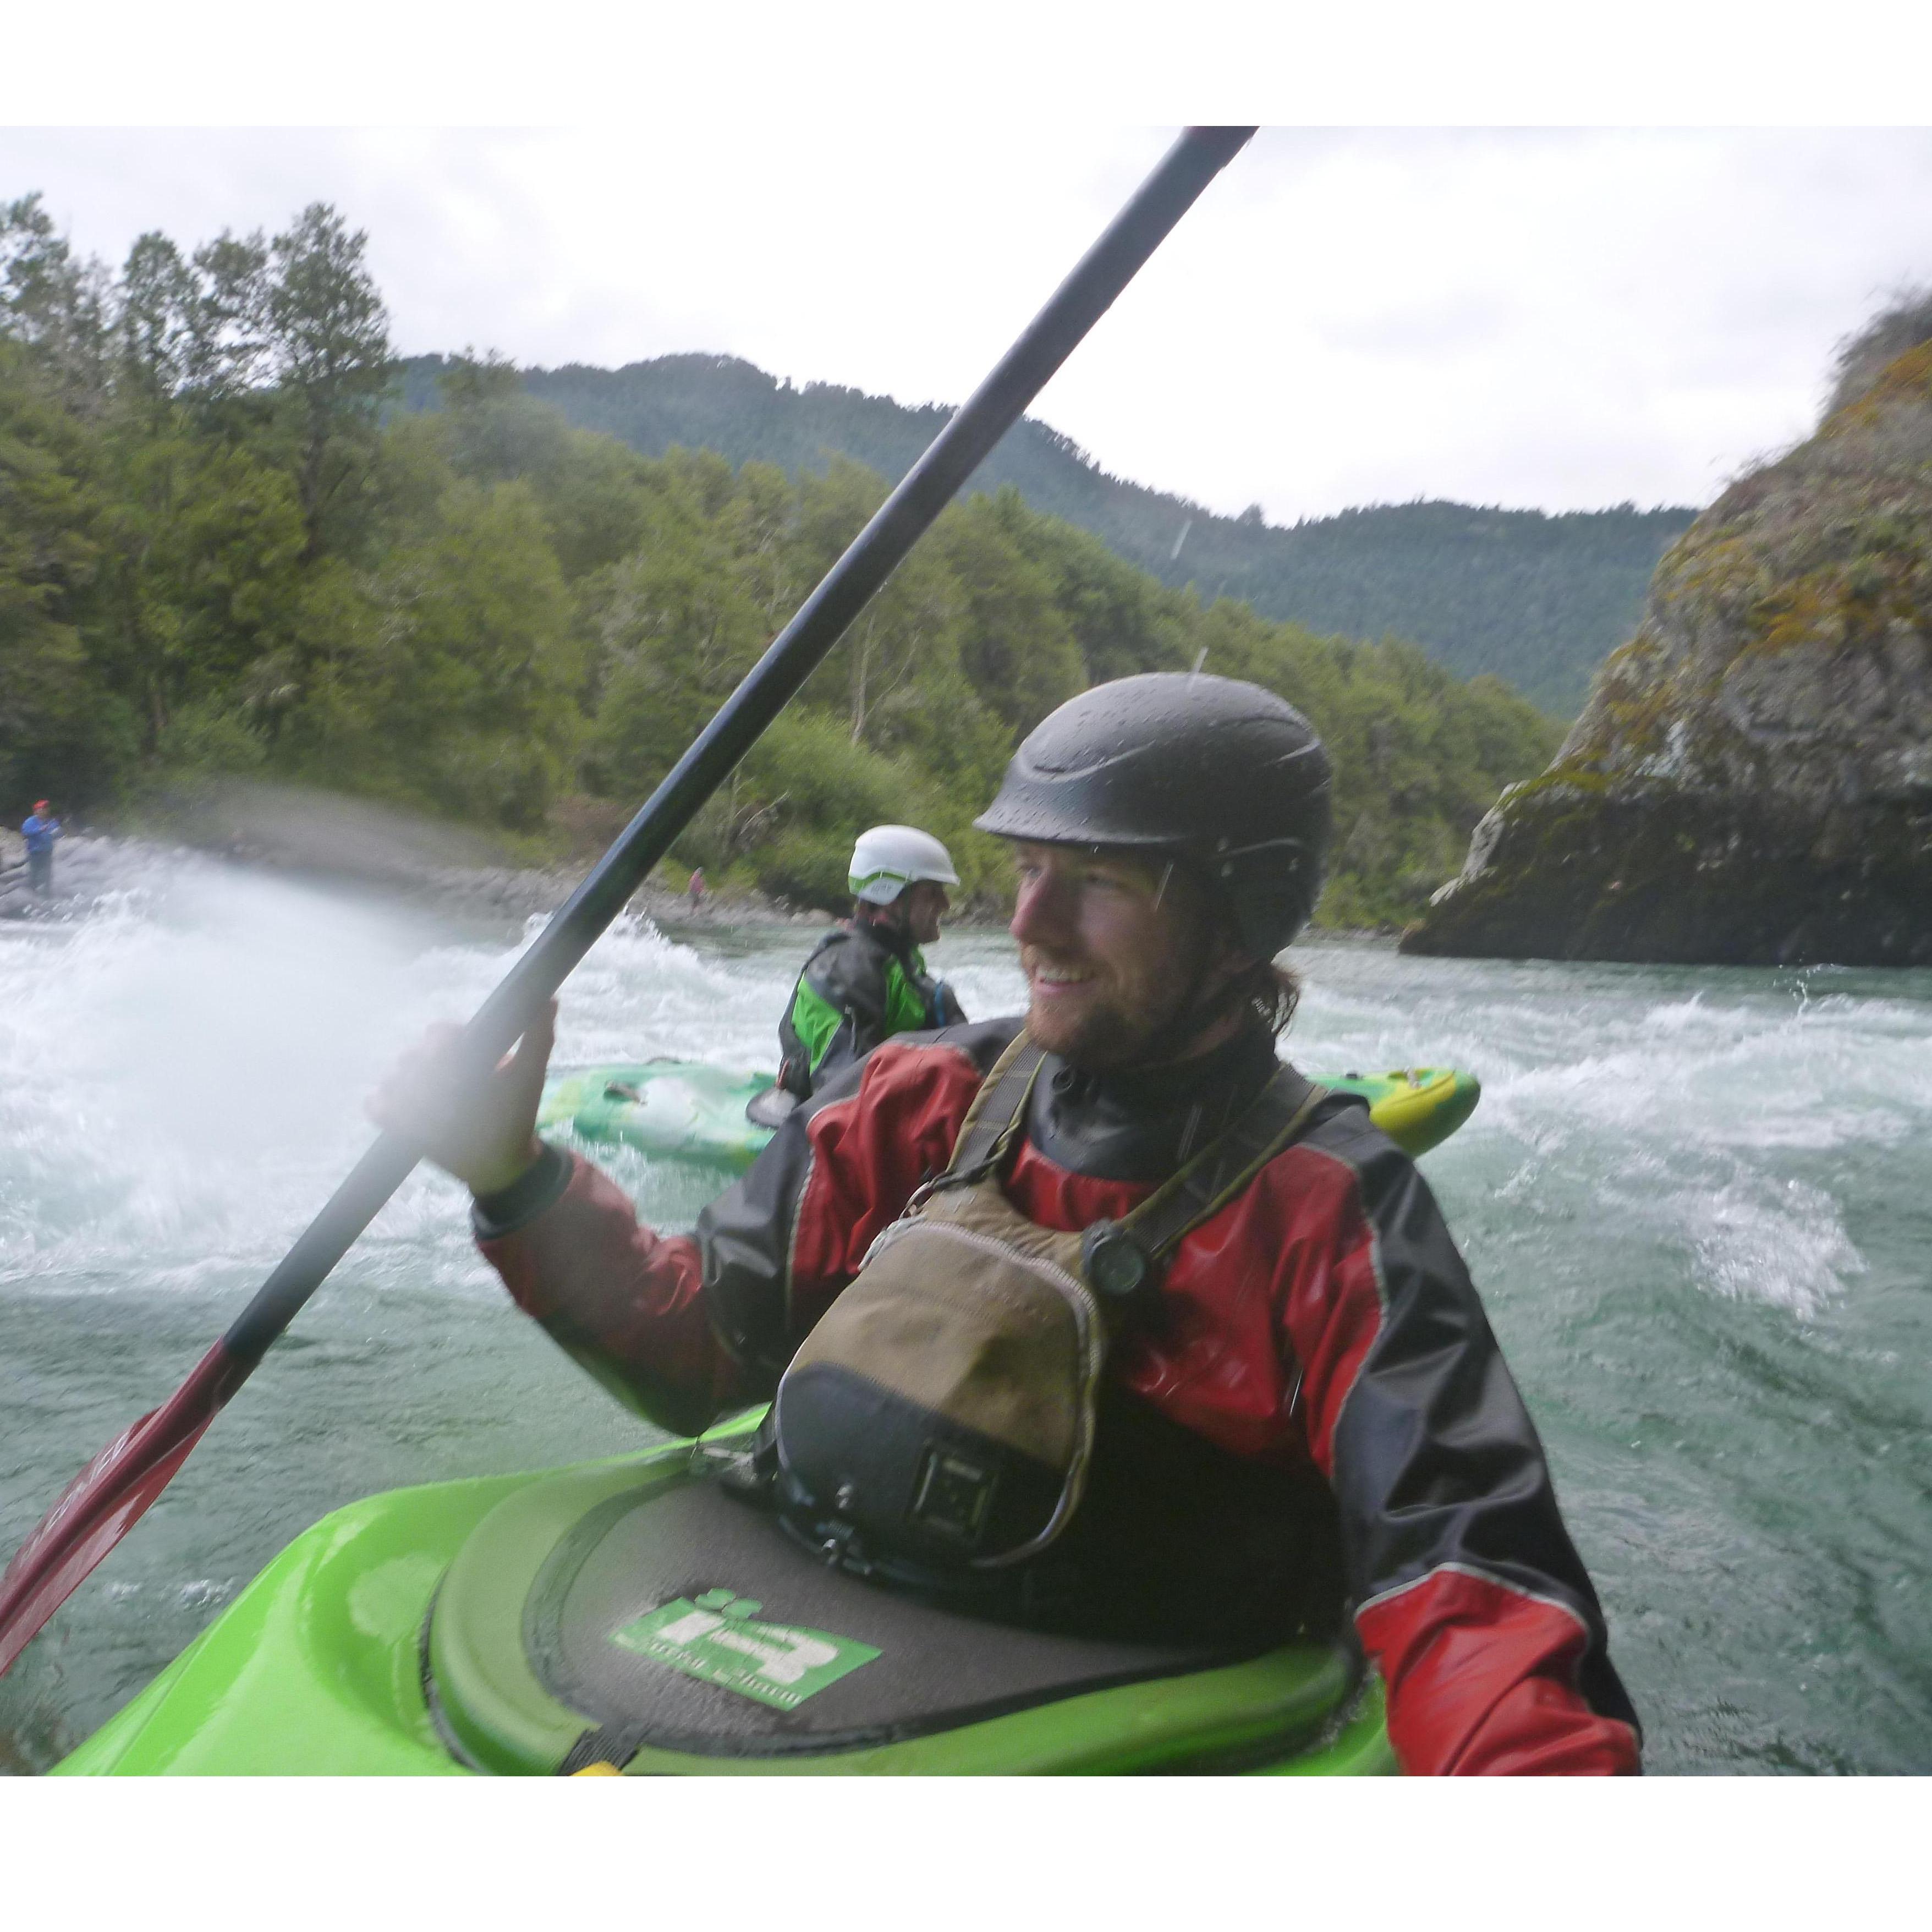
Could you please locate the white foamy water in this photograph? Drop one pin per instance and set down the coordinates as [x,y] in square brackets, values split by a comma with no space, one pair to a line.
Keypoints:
[1689,1121]
[187,1064]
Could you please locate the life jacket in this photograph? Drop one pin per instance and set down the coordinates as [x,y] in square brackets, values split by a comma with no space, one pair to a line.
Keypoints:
[861,984]
[941,1418]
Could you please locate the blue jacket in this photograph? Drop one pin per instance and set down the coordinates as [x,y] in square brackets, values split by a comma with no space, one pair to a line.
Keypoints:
[39,832]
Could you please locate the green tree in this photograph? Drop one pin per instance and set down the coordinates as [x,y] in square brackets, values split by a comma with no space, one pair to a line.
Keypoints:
[59,733]
[229,323]
[328,346]
[1123,621]
[592,490]
[200,543]
[674,630]
[56,303]
[449,673]
[154,323]
[1019,652]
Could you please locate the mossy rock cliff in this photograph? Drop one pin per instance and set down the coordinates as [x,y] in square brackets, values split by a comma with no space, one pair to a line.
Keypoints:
[1751,781]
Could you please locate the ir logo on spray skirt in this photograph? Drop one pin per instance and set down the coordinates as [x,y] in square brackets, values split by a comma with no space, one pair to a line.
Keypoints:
[715,1637]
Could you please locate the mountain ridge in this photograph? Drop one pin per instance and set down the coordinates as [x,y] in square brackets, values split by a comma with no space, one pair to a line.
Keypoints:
[1536,598]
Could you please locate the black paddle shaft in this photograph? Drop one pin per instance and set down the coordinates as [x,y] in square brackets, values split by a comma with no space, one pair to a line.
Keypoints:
[1079,302]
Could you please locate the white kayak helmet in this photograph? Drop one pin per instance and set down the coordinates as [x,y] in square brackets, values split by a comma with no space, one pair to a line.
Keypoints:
[890,858]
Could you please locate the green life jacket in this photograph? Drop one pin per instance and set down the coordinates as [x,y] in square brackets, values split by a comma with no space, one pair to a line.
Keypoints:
[857,989]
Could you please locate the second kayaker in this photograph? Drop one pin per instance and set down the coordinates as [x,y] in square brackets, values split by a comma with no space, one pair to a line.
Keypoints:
[866,979]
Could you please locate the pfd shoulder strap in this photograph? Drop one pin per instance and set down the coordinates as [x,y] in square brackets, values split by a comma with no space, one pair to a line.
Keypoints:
[997,1115]
[1273,1120]
[1124,1260]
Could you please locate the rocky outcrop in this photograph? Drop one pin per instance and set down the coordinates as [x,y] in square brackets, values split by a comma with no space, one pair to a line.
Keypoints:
[1751,781]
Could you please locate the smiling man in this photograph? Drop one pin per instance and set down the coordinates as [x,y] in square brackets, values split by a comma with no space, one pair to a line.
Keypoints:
[1298,1417]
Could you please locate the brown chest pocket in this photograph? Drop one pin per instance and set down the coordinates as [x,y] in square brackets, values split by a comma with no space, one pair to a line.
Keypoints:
[944,1405]
[944,1409]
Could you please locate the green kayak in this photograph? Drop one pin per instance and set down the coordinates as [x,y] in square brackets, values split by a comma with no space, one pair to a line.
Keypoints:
[683,1110]
[634,1615]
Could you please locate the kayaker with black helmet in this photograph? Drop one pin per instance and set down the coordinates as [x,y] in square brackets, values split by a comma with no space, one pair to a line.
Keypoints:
[866,979]
[1283,1407]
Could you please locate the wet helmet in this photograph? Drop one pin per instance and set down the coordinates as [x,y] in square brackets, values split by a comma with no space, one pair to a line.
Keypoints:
[890,858]
[1219,774]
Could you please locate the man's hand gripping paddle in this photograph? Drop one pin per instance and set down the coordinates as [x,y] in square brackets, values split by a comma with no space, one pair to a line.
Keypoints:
[99,1507]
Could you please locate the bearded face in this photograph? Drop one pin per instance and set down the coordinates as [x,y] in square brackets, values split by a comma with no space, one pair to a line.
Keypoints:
[1115,947]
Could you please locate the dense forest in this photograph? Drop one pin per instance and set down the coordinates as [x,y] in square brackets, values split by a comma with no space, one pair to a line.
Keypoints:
[223,548]
[1537,600]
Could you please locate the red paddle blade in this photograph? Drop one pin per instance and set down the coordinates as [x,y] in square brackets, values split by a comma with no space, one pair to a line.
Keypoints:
[106,1499]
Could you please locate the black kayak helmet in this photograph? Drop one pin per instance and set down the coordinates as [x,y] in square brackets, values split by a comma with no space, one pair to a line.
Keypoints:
[1217,773]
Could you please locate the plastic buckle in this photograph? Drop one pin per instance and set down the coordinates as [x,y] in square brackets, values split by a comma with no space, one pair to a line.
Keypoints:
[839,1548]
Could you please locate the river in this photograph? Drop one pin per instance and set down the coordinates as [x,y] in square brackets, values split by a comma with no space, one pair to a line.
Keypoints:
[1695,1201]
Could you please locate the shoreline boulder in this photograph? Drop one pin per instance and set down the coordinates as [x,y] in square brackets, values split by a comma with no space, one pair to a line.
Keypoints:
[1751,781]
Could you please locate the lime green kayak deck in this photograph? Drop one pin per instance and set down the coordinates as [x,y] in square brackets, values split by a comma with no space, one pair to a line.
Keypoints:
[684,1110]
[320,1667]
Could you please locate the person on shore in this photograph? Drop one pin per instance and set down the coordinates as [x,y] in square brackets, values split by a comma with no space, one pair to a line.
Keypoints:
[695,889]
[40,829]
[866,979]
[1296,1416]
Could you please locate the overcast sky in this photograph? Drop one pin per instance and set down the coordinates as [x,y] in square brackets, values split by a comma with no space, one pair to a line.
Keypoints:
[1559,319]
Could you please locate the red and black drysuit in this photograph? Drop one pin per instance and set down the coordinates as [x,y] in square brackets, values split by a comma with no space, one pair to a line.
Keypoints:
[1320,1334]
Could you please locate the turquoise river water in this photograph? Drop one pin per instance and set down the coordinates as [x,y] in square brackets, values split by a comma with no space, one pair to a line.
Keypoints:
[1695,1201]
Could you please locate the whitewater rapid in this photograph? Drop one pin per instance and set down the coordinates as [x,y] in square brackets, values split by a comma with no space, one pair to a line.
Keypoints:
[1694,1200]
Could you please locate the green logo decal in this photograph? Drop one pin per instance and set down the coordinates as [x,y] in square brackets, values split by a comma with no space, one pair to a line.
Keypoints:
[715,1639]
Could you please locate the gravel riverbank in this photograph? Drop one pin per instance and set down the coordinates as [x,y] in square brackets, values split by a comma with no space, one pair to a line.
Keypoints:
[434,867]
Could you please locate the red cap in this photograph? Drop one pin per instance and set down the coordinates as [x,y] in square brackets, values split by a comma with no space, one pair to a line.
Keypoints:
[40,804]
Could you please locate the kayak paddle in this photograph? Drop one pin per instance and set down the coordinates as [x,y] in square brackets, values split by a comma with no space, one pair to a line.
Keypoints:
[104,1501]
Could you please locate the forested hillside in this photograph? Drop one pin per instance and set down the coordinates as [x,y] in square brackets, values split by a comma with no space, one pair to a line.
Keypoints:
[222,549]
[1537,600]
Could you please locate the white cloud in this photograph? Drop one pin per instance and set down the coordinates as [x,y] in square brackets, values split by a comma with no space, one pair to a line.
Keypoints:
[1558,318]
